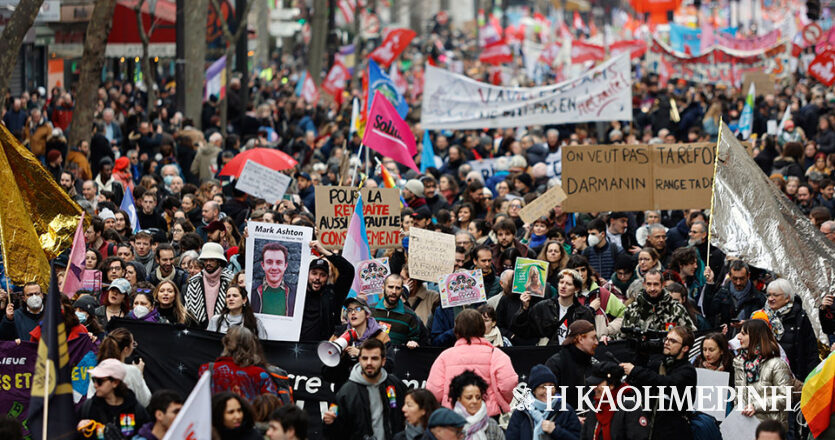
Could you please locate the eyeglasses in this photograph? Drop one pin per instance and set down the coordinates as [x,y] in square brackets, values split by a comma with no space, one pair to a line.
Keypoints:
[100,380]
[144,290]
[354,309]
[671,341]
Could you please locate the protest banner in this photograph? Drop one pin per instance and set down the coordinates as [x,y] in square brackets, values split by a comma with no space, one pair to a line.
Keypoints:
[335,204]
[717,65]
[462,288]
[452,101]
[262,182]
[637,177]
[486,167]
[763,82]
[529,276]
[372,273]
[280,256]
[431,254]
[714,381]
[18,367]
[542,204]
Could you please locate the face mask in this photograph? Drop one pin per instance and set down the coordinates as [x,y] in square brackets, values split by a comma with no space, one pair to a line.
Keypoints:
[168,180]
[82,317]
[34,302]
[140,311]
[593,240]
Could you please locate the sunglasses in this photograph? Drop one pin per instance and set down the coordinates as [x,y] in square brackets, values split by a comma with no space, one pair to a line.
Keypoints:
[144,290]
[100,380]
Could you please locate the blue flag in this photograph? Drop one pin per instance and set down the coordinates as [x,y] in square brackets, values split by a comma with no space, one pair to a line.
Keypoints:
[685,40]
[379,80]
[130,207]
[52,412]
[300,84]
[427,157]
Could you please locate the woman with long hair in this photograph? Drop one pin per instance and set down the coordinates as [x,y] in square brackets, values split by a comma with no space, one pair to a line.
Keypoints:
[119,345]
[112,409]
[759,369]
[123,226]
[115,302]
[648,259]
[418,405]
[464,215]
[233,417]
[468,391]
[169,304]
[237,312]
[473,352]
[553,252]
[448,188]
[714,353]
[241,366]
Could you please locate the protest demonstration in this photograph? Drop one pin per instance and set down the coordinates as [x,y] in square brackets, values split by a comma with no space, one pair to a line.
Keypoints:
[417,219]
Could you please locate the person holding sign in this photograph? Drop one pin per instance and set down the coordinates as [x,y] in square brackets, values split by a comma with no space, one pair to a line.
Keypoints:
[323,300]
[550,319]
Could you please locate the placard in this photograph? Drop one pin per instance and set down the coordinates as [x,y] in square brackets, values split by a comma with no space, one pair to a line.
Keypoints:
[91,280]
[381,208]
[372,273]
[543,204]
[277,277]
[263,182]
[764,83]
[462,288]
[431,254]
[717,384]
[637,177]
[529,276]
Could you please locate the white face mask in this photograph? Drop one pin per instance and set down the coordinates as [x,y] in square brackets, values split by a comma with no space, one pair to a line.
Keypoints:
[140,311]
[593,240]
[34,302]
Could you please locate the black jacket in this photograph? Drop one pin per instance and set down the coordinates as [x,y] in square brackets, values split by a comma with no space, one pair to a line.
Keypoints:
[666,424]
[322,310]
[722,307]
[571,366]
[353,419]
[799,341]
[543,319]
[97,409]
[180,279]
[508,307]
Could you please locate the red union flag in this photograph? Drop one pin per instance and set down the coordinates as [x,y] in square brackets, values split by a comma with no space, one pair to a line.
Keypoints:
[389,135]
[823,68]
[496,54]
[309,91]
[337,79]
[636,48]
[393,45]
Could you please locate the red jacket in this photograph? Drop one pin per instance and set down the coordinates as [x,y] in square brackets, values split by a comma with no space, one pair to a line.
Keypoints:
[492,364]
[249,382]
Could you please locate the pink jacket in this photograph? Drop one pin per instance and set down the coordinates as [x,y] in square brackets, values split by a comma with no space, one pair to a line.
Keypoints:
[492,364]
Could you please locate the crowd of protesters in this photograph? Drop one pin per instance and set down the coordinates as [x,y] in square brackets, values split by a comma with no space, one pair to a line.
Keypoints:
[186,264]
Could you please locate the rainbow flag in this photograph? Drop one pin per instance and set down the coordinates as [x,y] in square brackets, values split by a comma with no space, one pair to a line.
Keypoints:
[817,395]
[388,182]
[356,248]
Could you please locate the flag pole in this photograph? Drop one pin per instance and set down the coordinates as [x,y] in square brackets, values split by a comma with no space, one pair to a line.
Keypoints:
[356,165]
[713,195]
[47,367]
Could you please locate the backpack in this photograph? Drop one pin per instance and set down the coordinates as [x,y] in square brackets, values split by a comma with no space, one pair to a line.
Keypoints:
[704,427]
[282,382]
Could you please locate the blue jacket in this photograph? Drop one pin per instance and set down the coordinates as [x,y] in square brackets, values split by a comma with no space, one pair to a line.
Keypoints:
[678,236]
[24,322]
[520,426]
[443,324]
[308,196]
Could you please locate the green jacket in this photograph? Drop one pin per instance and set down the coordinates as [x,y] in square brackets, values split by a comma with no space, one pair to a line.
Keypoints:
[401,323]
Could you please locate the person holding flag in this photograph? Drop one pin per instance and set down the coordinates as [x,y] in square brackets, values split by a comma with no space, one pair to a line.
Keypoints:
[129,206]
[323,301]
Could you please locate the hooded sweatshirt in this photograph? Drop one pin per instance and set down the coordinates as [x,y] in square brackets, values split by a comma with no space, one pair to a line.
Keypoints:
[376,404]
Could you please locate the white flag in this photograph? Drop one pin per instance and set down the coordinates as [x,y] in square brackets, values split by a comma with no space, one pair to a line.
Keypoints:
[194,420]
[786,115]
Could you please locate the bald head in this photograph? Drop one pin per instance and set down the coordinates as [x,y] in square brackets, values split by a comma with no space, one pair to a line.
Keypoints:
[828,229]
[211,211]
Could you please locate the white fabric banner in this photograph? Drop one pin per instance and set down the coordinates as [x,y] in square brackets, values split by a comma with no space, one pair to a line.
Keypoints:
[194,420]
[452,101]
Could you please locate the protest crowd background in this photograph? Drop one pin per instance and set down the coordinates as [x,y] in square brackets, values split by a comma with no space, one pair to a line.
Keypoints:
[421,239]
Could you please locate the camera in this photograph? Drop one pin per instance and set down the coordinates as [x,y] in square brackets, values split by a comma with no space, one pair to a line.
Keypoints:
[645,342]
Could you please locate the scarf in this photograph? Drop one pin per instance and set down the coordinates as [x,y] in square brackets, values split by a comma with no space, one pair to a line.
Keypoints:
[537,241]
[751,364]
[539,411]
[476,427]
[412,432]
[211,288]
[371,328]
[170,276]
[494,337]
[775,318]
[604,420]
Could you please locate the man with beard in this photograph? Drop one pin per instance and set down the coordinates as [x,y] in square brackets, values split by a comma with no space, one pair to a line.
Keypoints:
[205,293]
[399,321]
[273,296]
[370,404]
[434,200]
[166,270]
[323,301]
[698,240]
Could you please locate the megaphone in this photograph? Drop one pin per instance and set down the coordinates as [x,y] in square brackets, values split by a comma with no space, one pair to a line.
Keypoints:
[330,351]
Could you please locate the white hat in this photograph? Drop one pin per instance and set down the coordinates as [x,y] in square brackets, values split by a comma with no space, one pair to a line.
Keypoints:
[107,214]
[212,251]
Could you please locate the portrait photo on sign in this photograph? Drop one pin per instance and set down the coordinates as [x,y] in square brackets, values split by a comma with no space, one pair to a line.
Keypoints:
[278,258]
[529,276]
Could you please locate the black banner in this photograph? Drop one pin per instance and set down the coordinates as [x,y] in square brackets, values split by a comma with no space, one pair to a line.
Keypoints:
[173,355]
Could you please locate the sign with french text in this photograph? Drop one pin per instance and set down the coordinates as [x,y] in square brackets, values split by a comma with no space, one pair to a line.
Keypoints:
[381,209]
